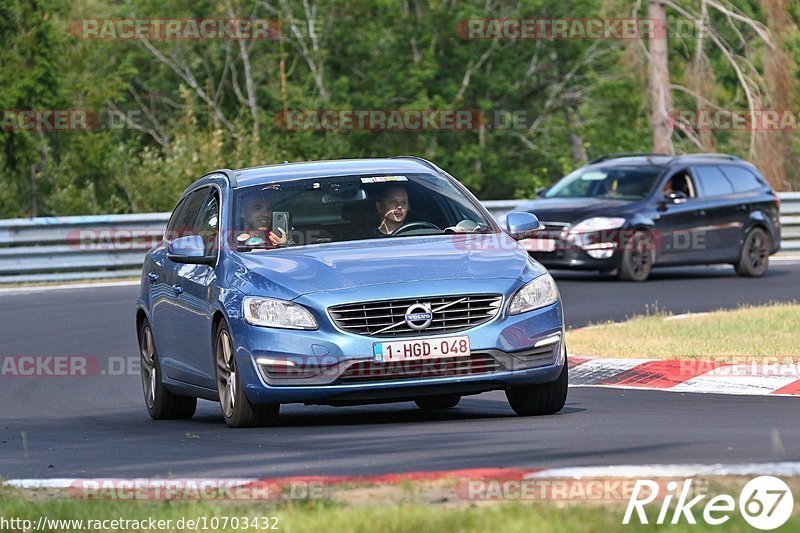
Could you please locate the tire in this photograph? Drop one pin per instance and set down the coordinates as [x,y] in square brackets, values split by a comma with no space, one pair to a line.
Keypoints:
[754,256]
[237,410]
[544,399]
[444,401]
[160,402]
[637,257]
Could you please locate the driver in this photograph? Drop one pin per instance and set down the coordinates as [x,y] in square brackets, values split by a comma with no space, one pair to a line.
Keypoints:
[257,218]
[393,208]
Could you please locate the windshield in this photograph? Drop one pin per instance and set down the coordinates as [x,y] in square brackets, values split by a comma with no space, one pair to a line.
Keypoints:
[613,183]
[322,210]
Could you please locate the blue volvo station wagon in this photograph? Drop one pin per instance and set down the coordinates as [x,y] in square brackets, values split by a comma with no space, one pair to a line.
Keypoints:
[342,283]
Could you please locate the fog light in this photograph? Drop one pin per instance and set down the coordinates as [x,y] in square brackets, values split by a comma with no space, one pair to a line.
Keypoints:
[284,368]
[600,254]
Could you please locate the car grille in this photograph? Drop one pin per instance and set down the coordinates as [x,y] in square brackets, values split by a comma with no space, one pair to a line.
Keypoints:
[462,312]
[372,372]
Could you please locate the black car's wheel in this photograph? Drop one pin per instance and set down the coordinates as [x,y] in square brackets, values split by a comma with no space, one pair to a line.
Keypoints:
[444,401]
[637,257]
[161,403]
[544,399]
[236,408]
[754,256]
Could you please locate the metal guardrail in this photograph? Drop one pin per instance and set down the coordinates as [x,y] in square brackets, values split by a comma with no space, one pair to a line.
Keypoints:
[109,246]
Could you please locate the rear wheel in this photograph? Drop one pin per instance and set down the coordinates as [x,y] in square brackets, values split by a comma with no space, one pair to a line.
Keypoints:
[544,399]
[444,401]
[237,410]
[161,403]
[637,257]
[754,257]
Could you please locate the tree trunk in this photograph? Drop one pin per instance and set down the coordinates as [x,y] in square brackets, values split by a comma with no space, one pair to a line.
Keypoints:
[659,85]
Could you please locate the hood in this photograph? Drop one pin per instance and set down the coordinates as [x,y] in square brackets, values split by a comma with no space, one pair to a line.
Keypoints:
[574,210]
[291,272]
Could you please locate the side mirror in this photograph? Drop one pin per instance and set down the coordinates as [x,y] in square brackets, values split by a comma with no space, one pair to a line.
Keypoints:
[189,250]
[522,225]
[676,197]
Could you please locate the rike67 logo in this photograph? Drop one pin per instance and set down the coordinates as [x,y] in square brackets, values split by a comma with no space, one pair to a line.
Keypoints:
[765,503]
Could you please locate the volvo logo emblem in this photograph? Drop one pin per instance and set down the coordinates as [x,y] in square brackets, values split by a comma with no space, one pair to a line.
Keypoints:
[419,316]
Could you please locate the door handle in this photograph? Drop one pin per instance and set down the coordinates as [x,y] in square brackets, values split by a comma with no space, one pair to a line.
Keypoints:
[153,276]
[701,213]
[177,289]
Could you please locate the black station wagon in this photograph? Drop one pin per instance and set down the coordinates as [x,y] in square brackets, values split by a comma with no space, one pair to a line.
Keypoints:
[628,213]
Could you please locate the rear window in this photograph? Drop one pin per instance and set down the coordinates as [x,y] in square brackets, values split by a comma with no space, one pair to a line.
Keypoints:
[713,181]
[741,178]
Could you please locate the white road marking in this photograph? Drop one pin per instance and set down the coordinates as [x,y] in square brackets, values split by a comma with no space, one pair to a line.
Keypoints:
[670,470]
[68,286]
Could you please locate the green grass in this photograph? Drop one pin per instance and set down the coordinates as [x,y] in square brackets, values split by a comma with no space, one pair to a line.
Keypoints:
[745,333]
[316,517]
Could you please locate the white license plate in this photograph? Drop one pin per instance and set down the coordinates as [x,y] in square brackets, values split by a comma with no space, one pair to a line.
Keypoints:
[411,350]
[539,245]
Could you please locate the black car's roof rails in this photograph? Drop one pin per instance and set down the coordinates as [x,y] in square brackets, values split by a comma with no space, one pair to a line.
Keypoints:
[729,157]
[625,154]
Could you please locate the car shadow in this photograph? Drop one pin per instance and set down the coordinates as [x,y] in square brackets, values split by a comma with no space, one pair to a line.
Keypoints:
[376,415]
[668,273]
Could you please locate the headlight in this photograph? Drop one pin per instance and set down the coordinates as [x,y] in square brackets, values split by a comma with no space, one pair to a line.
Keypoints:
[276,314]
[535,294]
[597,224]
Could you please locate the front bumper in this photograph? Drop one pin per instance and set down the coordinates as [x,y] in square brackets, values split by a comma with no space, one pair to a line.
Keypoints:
[329,366]
[577,259]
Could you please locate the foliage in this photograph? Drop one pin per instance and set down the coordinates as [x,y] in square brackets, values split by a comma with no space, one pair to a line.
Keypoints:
[170,110]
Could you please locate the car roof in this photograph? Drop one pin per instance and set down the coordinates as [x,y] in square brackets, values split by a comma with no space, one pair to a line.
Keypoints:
[657,160]
[282,172]
[318,169]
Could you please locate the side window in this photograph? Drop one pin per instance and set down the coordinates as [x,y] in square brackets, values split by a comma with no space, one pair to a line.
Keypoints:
[171,232]
[742,178]
[194,202]
[681,181]
[713,181]
[208,223]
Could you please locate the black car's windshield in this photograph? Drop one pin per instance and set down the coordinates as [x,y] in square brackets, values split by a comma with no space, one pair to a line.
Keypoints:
[321,210]
[620,183]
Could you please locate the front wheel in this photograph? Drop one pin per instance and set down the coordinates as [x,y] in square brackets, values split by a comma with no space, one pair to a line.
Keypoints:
[237,410]
[161,403]
[544,399]
[637,257]
[754,256]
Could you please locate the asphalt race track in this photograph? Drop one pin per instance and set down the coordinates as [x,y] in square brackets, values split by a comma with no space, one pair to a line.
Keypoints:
[97,426]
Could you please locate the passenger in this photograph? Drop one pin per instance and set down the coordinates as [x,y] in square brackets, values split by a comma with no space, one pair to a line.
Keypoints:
[257,222]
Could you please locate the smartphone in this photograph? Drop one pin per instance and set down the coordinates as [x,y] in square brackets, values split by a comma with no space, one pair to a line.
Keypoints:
[280,219]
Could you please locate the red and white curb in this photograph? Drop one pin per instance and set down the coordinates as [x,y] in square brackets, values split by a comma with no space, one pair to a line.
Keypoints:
[783,469]
[751,378]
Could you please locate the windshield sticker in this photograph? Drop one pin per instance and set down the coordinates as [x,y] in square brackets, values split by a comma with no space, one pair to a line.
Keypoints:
[383,179]
[596,175]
